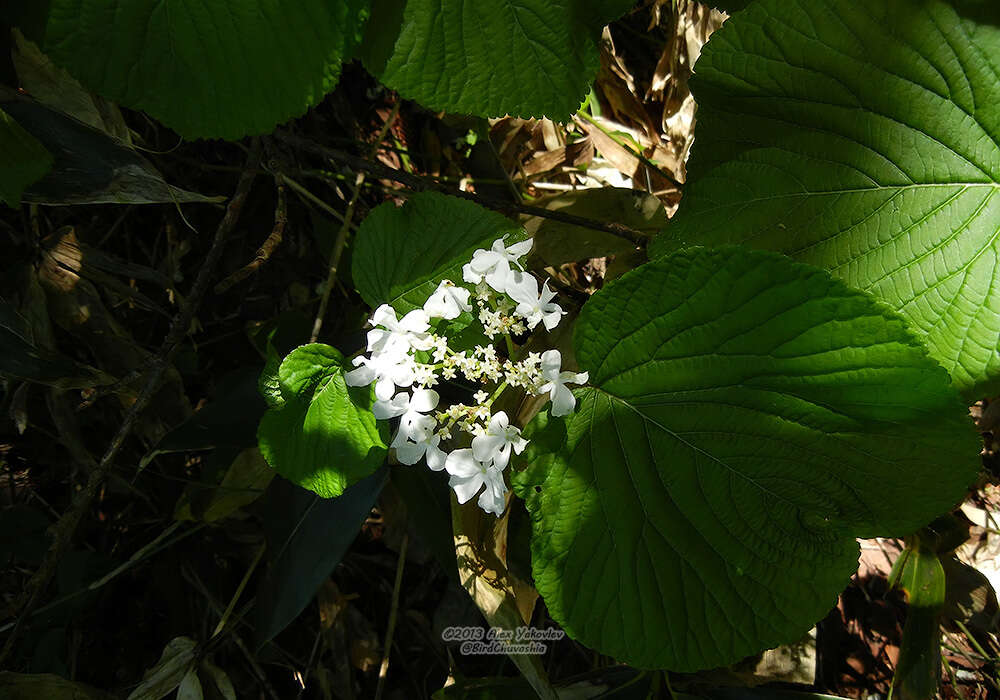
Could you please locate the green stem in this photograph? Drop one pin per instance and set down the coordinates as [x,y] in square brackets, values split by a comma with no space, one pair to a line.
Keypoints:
[496,394]
[510,347]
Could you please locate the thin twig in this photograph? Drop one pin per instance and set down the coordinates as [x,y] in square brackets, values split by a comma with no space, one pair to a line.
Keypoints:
[266,249]
[63,530]
[230,632]
[140,556]
[310,197]
[383,670]
[954,679]
[341,241]
[239,591]
[420,184]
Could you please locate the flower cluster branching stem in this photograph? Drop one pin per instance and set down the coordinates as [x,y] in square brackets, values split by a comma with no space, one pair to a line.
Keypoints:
[509,300]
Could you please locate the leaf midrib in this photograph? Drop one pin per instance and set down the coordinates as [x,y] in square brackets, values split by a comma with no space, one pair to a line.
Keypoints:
[694,448]
[848,190]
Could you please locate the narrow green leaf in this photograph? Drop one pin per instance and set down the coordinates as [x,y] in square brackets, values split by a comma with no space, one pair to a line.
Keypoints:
[748,418]
[243,483]
[307,536]
[323,437]
[24,160]
[218,69]
[529,58]
[402,253]
[177,659]
[862,138]
[922,578]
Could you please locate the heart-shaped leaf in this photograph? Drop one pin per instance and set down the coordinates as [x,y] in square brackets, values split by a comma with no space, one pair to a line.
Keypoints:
[862,137]
[748,418]
[530,58]
[323,436]
[216,69]
[402,253]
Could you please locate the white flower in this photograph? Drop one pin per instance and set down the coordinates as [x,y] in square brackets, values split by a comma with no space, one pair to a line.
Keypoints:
[408,452]
[563,401]
[493,265]
[495,444]
[448,301]
[396,406]
[469,475]
[415,437]
[493,499]
[413,424]
[388,369]
[411,330]
[480,396]
[533,306]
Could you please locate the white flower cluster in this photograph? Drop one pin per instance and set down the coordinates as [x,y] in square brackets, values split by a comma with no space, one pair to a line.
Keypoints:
[404,353]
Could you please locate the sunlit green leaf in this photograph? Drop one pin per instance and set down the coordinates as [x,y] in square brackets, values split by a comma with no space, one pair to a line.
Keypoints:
[748,418]
[403,252]
[323,437]
[529,58]
[862,137]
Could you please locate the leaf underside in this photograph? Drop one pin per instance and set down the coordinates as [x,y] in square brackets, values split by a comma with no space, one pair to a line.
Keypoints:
[529,58]
[748,418]
[218,69]
[862,138]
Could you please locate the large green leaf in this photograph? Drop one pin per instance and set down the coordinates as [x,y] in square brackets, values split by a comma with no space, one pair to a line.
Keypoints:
[24,160]
[402,253]
[529,58]
[862,137]
[748,418]
[323,437]
[225,68]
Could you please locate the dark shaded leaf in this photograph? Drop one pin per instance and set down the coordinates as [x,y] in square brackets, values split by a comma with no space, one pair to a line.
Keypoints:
[307,537]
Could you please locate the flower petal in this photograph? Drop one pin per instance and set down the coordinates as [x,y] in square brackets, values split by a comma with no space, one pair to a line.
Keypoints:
[383,388]
[424,400]
[410,453]
[519,250]
[493,498]
[563,401]
[551,363]
[362,376]
[436,457]
[486,447]
[466,486]
[462,463]
[396,406]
